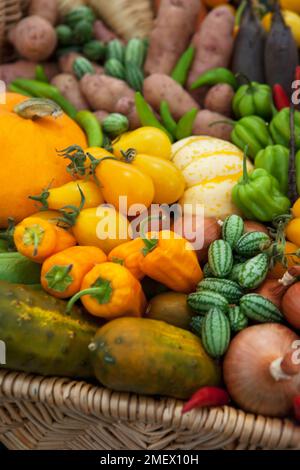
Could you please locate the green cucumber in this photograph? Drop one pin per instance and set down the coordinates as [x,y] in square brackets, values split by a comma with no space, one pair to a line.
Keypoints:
[215,333]
[115,49]
[18,269]
[205,300]
[232,229]
[64,35]
[94,50]
[82,66]
[258,308]
[78,14]
[135,52]
[254,271]
[196,324]
[207,272]
[229,289]
[237,319]
[82,32]
[40,337]
[252,243]
[115,68]
[220,258]
[134,77]
[115,124]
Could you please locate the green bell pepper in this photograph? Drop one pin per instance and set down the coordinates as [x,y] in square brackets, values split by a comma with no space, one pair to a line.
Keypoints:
[258,196]
[280,128]
[251,131]
[275,159]
[253,99]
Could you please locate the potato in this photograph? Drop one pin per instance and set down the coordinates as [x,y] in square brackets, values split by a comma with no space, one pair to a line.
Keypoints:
[159,87]
[102,32]
[47,9]
[171,34]
[68,85]
[219,99]
[103,92]
[34,38]
[101,115]
[24,69]
[203,121]
[127,107]
[66,62]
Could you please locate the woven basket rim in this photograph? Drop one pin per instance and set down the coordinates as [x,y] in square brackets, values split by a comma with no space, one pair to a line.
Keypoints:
[90,399]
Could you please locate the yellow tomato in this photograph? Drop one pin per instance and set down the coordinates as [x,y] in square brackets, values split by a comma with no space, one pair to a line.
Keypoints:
[102,227]
[279,269]
[296,208]
[146,140]
[292,20]
[69,194]
[215,3]
[293,5]
[168,181]
[293,231]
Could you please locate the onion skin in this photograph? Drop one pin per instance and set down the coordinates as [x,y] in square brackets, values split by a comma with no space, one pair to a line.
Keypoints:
[247,372]
[291,305]
[251,226]
[272,290]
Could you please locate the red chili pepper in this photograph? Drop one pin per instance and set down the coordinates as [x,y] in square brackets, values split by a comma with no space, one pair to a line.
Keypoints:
[280,97]
[297,407]
[207,396]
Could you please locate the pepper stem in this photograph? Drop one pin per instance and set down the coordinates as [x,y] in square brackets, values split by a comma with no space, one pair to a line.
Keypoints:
[42,198]
[33,235]
[129,155]
[247,80]
[58,277]
[36,108]
[70,213]
[101,290]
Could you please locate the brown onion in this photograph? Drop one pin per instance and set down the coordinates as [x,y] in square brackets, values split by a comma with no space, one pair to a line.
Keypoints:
[261,374]
[291,305]
[251,226]
[272,290]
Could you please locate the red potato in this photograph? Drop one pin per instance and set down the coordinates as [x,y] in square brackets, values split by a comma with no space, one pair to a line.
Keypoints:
[173,29]
[34,38]
[159,87]
[69,87]
[103,92]
[219,99]
[102,32]
[101,115]
[203,121]
[24,69]
[127,107]
[47,9]
[66,62]
[214,44]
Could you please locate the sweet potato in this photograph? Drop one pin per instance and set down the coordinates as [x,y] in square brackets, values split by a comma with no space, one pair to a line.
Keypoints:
[102,32]
[47,9]
[159,87]
[126,106]
[214,44]
[68,85]
[173,29]
[203,121]
[34,38]
[219,99]
[24,69]
[103,92]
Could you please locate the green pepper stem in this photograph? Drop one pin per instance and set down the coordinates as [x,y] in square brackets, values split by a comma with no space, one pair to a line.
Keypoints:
[247,80]
[129,155]
[70,213]
[102,291]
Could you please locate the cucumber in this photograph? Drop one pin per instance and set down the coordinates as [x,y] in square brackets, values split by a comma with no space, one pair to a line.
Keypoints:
[229,289]
[78,14]
[94,50]
[207,272]
[64,34]
[252,243]
[18,269]
[134,77]
[82,32]
[135,52]
[82,66]
[254,271]
[115,68]
[235,272]
[40,337]
[220,258]
[232,229]
[115,49]
[196,324]
[237,319]
[215,333]
[115,124]
[260,309]
[205,300]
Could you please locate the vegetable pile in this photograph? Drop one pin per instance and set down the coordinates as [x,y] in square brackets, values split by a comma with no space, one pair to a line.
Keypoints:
[121,150]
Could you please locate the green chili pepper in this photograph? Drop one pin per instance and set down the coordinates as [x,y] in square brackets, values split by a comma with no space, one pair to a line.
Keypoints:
[167,118]
[275,159]
[40,74]
[16,89]
[185,125]
[146,115]
[45,90]
[90,124]
[258,196]
[215,76]
[253,132]
[182,68]
[253,99]
[280,128]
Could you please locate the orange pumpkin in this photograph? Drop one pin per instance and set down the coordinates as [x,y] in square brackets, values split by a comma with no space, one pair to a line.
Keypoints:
[29,157]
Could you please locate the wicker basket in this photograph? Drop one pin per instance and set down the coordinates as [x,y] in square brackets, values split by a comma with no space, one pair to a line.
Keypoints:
[11,11]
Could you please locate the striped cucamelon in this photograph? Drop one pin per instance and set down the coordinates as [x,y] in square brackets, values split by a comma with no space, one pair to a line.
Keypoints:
[252,243]
[115,124]
[82,32]
[115,50]
[196,324]
[78,14]
[254,271]
[237,319]
[205,300]
[115,68]
[229,289]
[220,258]
[207,272]
[94,50]
[235,272]
[215,333]
[232,229]
[260,309]
[134,77]
[81,66]
[135,52]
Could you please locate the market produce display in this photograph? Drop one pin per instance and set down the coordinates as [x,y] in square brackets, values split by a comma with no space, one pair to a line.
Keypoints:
[150,199]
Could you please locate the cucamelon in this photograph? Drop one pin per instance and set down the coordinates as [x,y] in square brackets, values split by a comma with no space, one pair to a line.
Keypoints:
[205,300]
[220,258]
[232,229]
[229,289]
[252,243]
[254,271]
[258,308]
[237,319]
[215,333]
